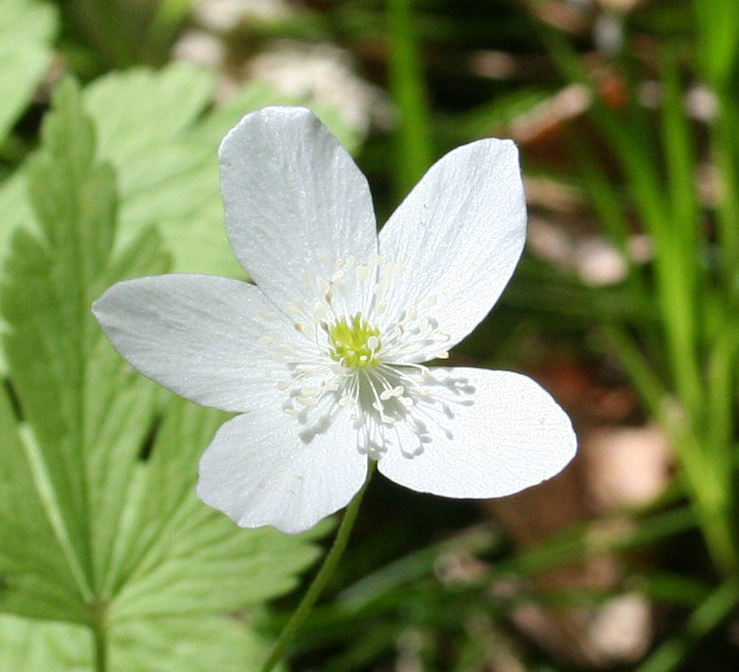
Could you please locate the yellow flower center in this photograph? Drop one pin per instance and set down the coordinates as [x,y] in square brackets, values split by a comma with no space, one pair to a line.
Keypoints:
[354,343]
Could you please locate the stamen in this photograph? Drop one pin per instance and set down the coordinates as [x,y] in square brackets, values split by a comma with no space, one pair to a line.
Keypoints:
[367,362]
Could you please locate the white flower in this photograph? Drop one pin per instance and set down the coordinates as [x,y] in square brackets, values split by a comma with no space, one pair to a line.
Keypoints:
[323,357]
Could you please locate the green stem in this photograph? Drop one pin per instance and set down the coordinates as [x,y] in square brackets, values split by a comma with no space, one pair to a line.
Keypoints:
[100,637]
[324,574]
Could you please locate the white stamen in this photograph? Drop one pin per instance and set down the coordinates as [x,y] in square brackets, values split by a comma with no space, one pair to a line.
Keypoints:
[374,371]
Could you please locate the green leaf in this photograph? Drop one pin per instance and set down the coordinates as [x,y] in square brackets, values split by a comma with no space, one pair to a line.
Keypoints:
[717,23]
[153,129]
[577,543]
[189,558]
[99,523]
[85,432]
[26,31]
[205,644]
[15,208]
[716,607]
[38,577]
[144,121]
[157,132]
[34,646]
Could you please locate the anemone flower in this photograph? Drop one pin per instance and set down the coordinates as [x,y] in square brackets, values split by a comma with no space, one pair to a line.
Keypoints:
[323,358]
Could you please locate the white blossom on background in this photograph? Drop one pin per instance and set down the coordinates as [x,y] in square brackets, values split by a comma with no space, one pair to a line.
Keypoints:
[323,358]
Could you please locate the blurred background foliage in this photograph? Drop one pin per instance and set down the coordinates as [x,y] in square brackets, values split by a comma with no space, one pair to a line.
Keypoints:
[625,306]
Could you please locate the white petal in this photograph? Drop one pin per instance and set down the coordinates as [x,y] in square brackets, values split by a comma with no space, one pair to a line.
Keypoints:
[512,436]
[295,202]
[259,471]
[197,335]
[459,235]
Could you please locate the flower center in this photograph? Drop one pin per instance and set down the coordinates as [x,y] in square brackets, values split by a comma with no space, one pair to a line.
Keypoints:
[360,352]
[354,343]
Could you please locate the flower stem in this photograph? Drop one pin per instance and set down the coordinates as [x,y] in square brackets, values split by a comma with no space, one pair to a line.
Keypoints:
[324,574]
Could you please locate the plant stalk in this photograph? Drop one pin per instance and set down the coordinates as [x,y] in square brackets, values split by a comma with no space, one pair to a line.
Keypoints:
[324,574]
[100,636]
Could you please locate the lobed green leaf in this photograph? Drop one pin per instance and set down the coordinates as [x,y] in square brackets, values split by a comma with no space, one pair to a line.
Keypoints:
[98,514]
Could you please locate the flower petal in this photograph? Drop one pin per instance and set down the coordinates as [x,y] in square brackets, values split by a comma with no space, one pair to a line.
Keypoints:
[259,470]
[197,335]
[511,436]
[459,235]
[295,202]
